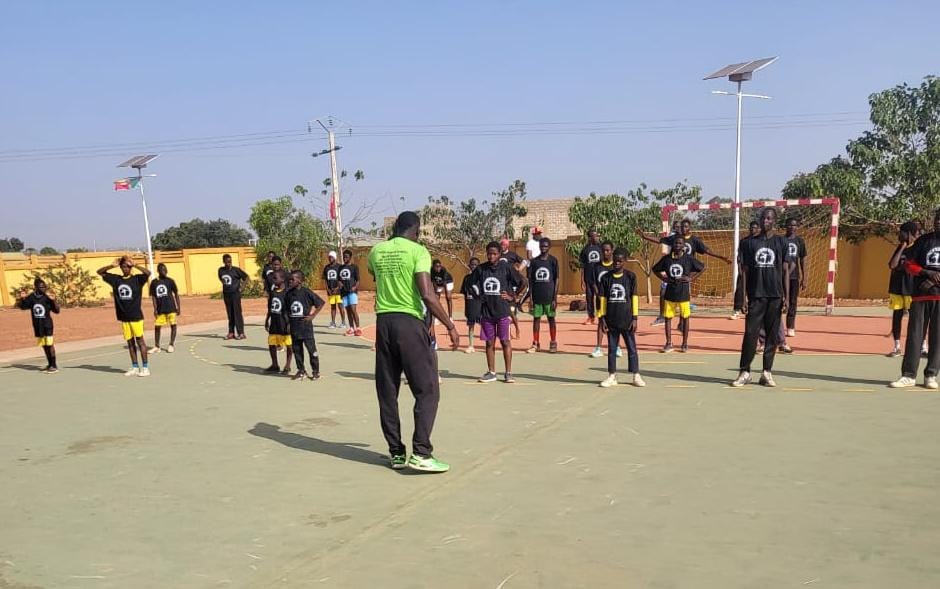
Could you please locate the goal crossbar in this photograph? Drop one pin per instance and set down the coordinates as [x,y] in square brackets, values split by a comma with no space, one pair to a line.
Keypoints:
[830,201]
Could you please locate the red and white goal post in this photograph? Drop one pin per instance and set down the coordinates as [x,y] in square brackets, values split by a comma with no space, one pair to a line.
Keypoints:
[820,228]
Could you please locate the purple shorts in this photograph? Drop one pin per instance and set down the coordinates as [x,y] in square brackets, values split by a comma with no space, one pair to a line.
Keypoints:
[491,329]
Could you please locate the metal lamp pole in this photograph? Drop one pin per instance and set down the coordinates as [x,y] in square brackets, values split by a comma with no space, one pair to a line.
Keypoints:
[334,183]
[139,162]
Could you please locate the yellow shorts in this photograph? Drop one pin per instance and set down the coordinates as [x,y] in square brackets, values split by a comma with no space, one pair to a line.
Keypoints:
[279,340]
[165,319]
[899,302]
[335,300]
[133,329]
[670,309]
[44,341]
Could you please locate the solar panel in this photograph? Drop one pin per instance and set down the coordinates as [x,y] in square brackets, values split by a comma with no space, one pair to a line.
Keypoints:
[138,161]
[742,70]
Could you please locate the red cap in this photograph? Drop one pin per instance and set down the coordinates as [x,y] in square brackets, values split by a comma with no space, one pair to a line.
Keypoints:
[504,242]
[536,230]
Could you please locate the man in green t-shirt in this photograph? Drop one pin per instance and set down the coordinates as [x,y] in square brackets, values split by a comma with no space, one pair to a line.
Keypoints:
[403,290]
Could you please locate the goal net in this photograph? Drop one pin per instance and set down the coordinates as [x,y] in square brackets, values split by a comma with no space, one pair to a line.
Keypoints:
[713,223]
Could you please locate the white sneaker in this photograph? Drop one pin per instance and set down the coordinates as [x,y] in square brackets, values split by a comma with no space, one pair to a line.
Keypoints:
[332,325]
[619,352]
[930,382]
[895,351]
[170,349]
[791,333]
[469,350]
[903,383]
[597,353]
[610,381]
[638,380]
[132,372]
[154,350]
[742,379]
[734,315]
[767,379]
[144,372]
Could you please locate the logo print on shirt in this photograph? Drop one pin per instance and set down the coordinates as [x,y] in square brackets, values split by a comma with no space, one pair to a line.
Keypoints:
[792,250]
[296,309]
[600,274]
[675,270]
[933,257]
[618,294]
[124,292]
[687,248]
[345,274]
[594,256]
[765,257]
[331,274]
[161,291]
[226,280]
[542,275]
[491,286]
[276,305]
[39,311]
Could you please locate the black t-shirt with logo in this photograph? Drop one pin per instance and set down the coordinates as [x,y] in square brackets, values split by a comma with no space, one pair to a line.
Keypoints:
[127,295]
[279,322]
[491,280]
[348,276]
[331,278]
[590,256]
[618,289]
[796,251]
[601,269]
[675,268]
[693,245]
[232,279]
[900,282]
[926,253]
[441,279]
[299,302]
[543,274]
[161,291]
[473,303]
[764,260]
[41,308]
[510,256]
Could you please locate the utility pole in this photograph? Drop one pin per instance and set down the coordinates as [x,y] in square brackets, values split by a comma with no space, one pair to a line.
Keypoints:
[336,214]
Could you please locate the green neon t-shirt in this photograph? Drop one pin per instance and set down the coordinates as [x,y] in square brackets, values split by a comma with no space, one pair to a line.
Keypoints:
[394,264]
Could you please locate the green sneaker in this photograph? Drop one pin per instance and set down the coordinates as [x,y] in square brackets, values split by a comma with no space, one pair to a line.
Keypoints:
[427,464]
[398,461]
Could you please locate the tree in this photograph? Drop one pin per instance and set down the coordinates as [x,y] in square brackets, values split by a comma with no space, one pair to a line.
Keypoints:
[72,285]
[461,230]
[197,233]
[617,217]
[48,251]
[11,244]
[292,233]
[892,172]
[76,250]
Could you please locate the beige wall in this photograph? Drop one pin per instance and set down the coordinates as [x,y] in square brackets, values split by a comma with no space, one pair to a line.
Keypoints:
[862,269]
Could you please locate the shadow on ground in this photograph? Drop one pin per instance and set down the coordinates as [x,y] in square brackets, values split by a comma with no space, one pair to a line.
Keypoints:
[353,451]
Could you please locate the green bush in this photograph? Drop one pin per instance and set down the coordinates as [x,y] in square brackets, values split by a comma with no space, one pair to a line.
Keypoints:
[251,289]
[72,285]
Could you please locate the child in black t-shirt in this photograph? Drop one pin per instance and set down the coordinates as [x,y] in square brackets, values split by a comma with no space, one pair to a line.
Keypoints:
[231,278]
[900,284]
[349,288]
[600,269]
[471,302]
[277,323]
[166,307]
[128,291]
[543,282]
[677,270]
[619,307]
[496,283]
[303,305]
[334,298]
[41,304]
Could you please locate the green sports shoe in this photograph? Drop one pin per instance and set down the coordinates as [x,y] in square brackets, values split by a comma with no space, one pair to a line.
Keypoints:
[427,464]
[398,461]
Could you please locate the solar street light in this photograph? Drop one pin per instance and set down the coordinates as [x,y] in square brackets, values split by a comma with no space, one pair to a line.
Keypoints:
[139,162]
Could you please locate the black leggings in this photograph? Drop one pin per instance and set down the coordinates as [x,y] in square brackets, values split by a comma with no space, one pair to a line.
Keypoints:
[233,308]
[922,322]
[311,344]
[794,299]
[761,313]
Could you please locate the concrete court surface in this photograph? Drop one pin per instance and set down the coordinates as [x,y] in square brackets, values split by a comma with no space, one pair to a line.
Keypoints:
[209,474]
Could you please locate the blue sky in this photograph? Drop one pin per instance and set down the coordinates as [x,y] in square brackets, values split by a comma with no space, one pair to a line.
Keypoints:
[110,73]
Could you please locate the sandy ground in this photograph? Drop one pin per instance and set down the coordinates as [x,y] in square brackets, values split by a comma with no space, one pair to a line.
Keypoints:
[211,474]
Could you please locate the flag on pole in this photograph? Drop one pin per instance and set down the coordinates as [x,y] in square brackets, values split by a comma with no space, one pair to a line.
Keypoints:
[332,208]
[126,183]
